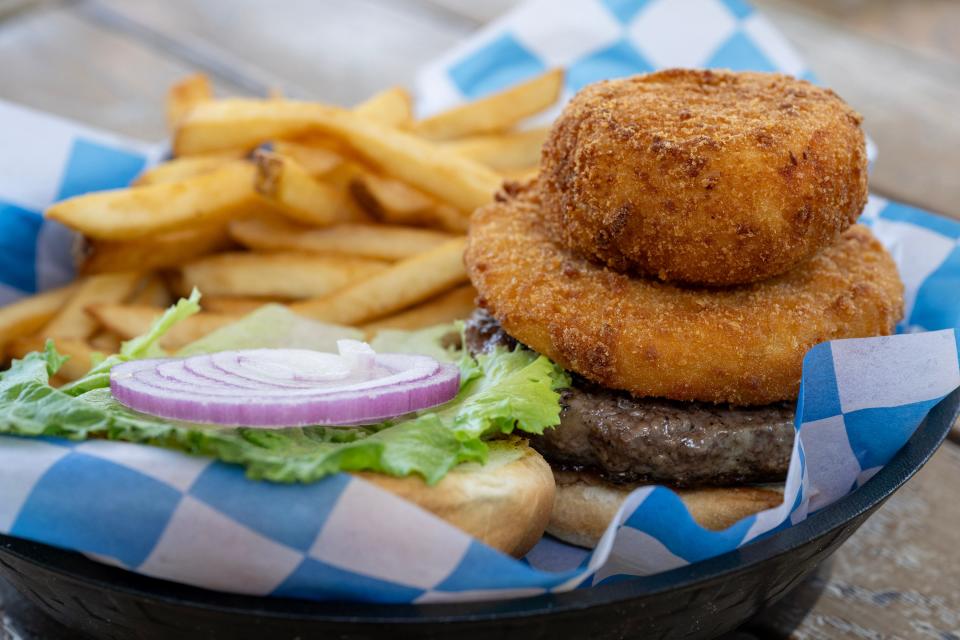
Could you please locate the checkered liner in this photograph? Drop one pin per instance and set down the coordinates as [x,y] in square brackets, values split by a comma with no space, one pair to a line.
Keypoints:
[188,519]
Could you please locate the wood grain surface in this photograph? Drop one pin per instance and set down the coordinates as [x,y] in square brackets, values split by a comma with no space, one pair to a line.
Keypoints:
[908,97]
[109,62]
[898,576]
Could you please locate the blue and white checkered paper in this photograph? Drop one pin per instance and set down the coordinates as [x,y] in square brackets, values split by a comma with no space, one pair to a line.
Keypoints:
[192,520]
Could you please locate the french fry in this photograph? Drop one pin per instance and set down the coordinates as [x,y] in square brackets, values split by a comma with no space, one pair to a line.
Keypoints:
[236,305]
[394,202]
[125,214]
[185,95]
[163,250]
[72,321]
[152,291]
[382,242]
[298,195]
[281,275]
[395,196]
[244,124]
[319,154]
[503,151]
[79,351]
[182,168]
[316,160]
[405,283]
[106,342]
[445,217]
[392,107]
[520,175]
[26,316]
[130,321]
[498,112]
[447,307]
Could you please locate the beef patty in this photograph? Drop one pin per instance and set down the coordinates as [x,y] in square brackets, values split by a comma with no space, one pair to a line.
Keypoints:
[627,439]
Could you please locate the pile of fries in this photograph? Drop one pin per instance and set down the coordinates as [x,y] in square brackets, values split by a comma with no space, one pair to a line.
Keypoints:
[354,217]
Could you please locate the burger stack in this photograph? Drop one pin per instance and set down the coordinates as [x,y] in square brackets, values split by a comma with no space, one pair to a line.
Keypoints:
[690,237]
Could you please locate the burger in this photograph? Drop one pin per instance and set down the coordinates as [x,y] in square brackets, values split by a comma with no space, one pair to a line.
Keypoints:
[690,236]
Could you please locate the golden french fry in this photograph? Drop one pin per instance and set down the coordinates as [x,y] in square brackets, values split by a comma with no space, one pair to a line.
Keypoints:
[26,316]
[79,351]
[243,124]
[316,160]
[394,202]
[445,217]
[498,112]
[297,194]
[185,95]
[396,196]
[382,242]
[503,151]
[392,107]
[281,275]
[125,214]
[236,305]
[130,321]
[163,250]
[319,155]
[73,321]
[152,291]
[106,342]
[403,284]
[447,307]
[520,175]
[182,168]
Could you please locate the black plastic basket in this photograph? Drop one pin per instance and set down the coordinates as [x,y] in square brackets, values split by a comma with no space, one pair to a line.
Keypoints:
[702,600]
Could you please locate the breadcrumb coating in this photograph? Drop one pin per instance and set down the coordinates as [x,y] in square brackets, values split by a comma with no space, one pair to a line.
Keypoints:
[741,345]
[705,177]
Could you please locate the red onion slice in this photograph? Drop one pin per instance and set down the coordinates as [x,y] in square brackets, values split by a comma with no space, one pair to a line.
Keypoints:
[292,389]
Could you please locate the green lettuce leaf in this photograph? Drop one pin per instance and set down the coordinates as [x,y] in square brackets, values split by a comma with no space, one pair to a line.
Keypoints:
[145,346]
[432,341]
[273,326]
[500,393]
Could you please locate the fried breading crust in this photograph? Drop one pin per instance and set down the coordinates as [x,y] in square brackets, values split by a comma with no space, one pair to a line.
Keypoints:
[705,177]
[742,345]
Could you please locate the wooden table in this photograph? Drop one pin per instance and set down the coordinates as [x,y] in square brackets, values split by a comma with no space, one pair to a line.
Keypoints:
[109,62]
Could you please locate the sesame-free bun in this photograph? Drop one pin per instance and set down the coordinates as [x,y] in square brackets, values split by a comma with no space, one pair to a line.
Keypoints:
[504,503]
[704,177]
[585,505]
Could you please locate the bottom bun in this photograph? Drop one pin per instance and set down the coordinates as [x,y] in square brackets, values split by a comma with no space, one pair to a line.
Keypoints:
[585,505]
[505,503]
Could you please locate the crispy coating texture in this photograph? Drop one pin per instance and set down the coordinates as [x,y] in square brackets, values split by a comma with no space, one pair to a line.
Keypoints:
[741,345]
[705,177]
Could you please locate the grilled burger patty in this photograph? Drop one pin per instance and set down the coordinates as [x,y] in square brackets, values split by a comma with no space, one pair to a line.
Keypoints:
[627,439]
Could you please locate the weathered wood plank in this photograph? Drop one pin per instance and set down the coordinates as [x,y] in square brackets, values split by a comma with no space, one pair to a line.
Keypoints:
[897,576]
[340,52]
[113,82]
[924,26]
[908,101]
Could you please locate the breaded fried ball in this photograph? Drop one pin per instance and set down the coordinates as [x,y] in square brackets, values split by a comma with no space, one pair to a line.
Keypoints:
[740,345]
[705,177]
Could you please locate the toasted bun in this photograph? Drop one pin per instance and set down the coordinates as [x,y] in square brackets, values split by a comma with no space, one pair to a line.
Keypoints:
[504,503]
[585,505]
